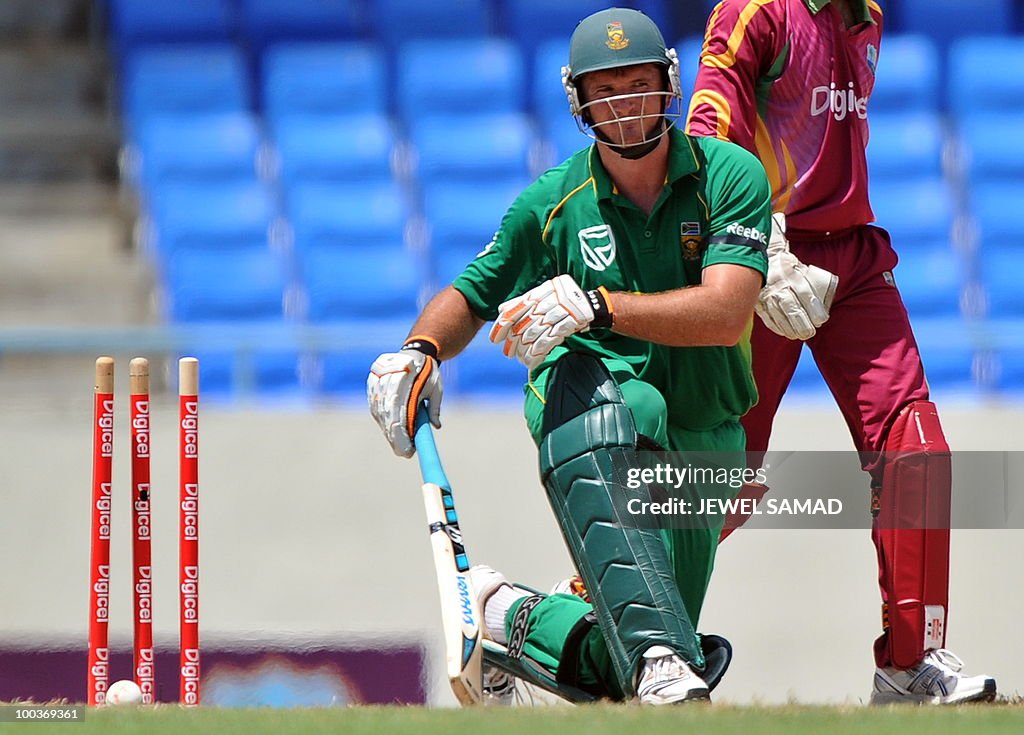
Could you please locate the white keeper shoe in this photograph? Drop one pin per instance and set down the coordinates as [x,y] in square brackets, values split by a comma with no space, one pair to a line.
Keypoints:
[666,679]
[936,680]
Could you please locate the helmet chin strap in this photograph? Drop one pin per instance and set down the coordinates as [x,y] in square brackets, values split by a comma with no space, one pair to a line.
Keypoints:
[632,152]
[635,152]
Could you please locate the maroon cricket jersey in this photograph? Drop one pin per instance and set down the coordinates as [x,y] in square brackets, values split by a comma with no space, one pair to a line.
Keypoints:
[789,82]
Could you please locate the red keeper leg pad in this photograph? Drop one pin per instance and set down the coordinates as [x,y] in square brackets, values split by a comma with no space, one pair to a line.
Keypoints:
[912,535]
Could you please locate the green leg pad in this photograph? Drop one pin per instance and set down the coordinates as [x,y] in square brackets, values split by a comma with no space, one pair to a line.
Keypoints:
[497,655]
[589,439]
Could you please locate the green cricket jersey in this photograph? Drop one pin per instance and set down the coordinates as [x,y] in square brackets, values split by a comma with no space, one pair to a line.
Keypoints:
[715,208]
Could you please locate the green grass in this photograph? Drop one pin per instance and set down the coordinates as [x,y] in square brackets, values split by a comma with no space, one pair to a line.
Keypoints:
[592,720]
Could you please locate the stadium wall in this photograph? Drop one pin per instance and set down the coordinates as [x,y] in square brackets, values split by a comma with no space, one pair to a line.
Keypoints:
[313,531]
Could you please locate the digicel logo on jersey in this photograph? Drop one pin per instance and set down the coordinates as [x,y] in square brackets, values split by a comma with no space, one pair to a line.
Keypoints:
[840,102]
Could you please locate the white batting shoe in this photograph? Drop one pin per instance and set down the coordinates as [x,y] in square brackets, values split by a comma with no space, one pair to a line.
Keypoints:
[666,679]
[499,688]
[486,582]
[936,680]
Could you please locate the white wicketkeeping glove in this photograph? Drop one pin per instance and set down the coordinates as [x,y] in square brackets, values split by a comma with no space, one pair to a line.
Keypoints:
[796,298]
[533,324]
[397,384]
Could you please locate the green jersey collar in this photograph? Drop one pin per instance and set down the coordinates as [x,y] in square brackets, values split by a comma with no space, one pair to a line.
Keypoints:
[860,9]
[682,161]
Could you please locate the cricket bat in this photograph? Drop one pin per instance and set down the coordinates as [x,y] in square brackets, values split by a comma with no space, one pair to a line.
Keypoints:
[460,614]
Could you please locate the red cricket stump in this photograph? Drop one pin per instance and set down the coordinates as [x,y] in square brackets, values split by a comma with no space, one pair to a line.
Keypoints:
[99,560]
[142,565]
[188,578]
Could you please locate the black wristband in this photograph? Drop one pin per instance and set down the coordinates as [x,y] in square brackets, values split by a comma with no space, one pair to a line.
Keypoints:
[598,299]
[425,346]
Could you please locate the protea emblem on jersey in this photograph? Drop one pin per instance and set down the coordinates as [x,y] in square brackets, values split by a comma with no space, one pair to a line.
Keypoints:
[616,37]
[597,244]
[690,240]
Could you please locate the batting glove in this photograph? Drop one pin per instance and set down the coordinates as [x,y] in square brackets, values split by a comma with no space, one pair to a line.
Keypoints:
[531,325]
[796,298]
[397,384]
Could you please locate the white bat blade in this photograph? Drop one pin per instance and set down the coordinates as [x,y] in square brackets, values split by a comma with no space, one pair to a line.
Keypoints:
[460,614]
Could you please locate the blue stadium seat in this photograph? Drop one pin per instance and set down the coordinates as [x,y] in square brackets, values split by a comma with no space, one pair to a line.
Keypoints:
[483,372]
[463,217]
[907,78]
[905,145]
[1009,372]
[350,214]
[478,145]
[1000,271]
[483,75]
[133,23]
[396,21]
[465,214]
[993,146]
[996,206]
[198,146]
[323,78]
[448,264]
[341,372]
[565,138]
[930,279]
[216,373]
[548,98]
[915,210]
[948,354]
[185,79]
[656,10]
[268,374]
[268,21]
[360,283]
[335,147]
[210,216]
[212,286]
[532,21]
[946,20]
[1010,376]
[985,75]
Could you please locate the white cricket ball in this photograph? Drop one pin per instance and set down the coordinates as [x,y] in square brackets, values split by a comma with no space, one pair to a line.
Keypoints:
[124,692]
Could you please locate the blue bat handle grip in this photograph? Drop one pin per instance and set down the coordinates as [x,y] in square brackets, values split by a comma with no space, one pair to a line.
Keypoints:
[426,450]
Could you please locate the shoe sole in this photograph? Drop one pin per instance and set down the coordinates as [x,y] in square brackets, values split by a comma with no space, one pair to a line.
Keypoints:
[987,694]
[696,695]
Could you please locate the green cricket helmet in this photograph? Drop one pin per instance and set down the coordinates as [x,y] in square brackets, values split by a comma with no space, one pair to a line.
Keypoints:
[614,38]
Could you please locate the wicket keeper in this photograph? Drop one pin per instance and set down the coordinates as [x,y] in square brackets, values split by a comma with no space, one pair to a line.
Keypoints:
[790,81]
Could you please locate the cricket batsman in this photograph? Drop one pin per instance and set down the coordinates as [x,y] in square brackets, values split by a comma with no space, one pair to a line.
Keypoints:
[625,279]
[790,81]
